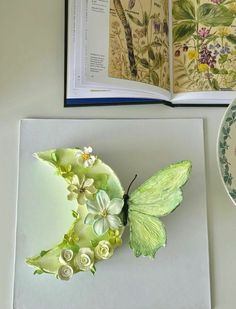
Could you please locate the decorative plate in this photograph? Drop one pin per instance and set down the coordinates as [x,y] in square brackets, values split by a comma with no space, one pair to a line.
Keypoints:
[226,150]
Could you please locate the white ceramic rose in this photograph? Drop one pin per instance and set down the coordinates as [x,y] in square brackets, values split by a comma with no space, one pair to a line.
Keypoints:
[103,250]
[65,272]
[84,260]
[66,256]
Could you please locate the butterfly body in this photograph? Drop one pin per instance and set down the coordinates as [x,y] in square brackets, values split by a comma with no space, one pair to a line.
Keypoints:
[125,209]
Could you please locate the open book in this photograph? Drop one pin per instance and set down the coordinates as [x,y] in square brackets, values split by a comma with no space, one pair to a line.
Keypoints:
[180,51]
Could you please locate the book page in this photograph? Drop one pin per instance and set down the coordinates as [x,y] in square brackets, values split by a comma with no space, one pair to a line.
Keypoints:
[204,45]
[138,41]
[74,37]
[77,59]
[204,97]
[127,45]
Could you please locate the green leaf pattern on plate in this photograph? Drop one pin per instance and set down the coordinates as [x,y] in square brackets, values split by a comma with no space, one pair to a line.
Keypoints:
[223,146]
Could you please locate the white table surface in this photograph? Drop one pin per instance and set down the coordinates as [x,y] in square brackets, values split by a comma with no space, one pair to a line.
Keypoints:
[31,85]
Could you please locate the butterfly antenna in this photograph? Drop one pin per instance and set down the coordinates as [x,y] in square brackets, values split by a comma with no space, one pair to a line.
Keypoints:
[131,184]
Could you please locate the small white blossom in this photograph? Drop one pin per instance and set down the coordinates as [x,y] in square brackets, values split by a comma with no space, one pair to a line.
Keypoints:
[81,189]
[86,156]
[103,213]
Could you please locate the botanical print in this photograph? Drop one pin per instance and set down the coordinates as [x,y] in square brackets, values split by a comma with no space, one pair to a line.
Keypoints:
[204,35]
[138,41]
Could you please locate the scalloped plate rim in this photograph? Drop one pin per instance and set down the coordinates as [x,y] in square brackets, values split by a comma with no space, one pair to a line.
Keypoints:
[220,165]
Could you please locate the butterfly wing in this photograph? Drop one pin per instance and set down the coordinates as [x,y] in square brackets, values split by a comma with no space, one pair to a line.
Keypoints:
[157,197]
[147,234]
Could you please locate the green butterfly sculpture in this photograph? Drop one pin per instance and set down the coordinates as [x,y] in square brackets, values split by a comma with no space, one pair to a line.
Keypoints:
[103,211]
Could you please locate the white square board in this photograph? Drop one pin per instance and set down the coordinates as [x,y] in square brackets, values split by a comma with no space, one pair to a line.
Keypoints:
[179,276]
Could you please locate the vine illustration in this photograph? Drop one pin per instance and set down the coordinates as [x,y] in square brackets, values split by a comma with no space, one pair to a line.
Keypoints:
[139,41]
[204,45]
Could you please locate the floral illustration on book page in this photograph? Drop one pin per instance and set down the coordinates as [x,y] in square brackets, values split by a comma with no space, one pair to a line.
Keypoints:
[138,41]
[204,35]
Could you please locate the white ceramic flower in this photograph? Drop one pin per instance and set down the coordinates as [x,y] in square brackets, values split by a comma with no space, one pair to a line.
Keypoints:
[66,255]
[65,272]
[84,260]
[86,156]
[103,213]
[81,189]
[103,250]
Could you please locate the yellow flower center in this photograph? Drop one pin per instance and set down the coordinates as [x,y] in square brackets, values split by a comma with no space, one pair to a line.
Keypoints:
[104,213]
[85,156]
